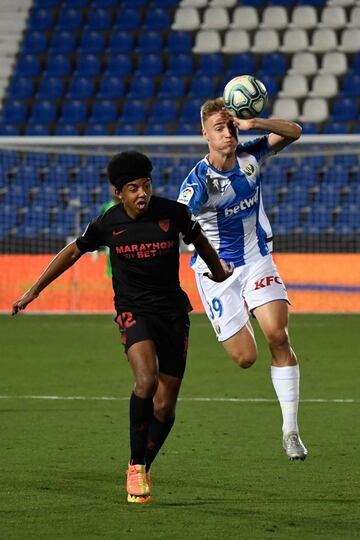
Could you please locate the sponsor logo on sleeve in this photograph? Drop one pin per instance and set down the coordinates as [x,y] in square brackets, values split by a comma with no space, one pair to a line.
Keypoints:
[186,195]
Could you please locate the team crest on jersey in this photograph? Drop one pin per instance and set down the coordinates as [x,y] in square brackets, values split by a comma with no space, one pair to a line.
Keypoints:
[186,195]
[217,184]
[164,224]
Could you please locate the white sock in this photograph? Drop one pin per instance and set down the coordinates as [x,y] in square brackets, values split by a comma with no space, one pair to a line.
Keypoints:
[286,383]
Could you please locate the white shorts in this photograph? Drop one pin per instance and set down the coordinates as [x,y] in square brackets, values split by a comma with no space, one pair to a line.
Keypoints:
[227,304]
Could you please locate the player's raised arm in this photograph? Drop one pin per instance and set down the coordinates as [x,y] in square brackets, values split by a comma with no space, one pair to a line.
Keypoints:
[282,132]
[61,262]
[218,268]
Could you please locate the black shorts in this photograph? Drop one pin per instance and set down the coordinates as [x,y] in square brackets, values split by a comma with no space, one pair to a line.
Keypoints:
[169,334]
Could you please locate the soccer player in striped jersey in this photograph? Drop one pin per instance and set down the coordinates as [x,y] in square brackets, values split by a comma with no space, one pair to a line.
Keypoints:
[223,191]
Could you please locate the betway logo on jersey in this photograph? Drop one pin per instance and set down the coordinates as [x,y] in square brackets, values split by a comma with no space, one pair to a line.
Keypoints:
[245,204]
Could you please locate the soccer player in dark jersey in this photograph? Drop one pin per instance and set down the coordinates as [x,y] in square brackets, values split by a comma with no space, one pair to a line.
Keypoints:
[142,233]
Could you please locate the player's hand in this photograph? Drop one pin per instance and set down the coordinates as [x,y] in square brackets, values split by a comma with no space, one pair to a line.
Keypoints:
[21,304]
[243,125]
[227,272]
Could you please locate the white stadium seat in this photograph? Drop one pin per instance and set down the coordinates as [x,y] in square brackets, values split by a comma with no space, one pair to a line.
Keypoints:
[334,62]
[223,3]
[324,86]
[354,18]
[193,3]
[274,17]
[186,18]
[304,17]
[215,18]
[333,17]
[294,86]
[295,39]
[207,41]
[236,41]
[323,40]
[286,108]
[266,41]
[304,63]
[350,40]
[245,18]
[314,110]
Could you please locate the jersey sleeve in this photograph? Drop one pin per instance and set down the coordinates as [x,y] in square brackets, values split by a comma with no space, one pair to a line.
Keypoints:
[91,239]
[193,190]
[259,148]
[189,227]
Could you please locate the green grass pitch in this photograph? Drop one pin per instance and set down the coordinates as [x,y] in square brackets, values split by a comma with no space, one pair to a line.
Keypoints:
[222,473]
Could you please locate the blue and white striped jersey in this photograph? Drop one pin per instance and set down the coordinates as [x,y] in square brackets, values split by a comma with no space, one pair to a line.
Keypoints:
[228,205]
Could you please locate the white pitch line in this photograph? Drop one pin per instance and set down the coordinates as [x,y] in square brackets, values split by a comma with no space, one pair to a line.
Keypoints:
[205,399]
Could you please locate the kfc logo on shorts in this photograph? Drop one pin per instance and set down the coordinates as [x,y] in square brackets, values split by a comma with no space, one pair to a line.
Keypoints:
[267,281]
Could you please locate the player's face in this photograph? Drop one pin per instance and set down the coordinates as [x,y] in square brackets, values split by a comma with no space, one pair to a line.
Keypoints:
[220,133]
[135,196]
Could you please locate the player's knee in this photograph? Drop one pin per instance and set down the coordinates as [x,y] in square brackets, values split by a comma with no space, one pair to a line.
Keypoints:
[279,339]
[146,386]
[164,410]
[244,359]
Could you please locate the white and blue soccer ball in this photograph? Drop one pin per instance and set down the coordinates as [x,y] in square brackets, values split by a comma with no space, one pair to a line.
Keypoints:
[245,97]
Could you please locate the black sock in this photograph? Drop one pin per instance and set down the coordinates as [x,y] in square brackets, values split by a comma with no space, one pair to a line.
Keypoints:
[141,413]
[158,431]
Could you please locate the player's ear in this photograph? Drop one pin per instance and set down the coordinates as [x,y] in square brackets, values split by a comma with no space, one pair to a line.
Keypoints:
[118,193]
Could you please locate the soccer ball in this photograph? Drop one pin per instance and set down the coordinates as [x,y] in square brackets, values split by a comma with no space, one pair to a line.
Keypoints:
[245,96]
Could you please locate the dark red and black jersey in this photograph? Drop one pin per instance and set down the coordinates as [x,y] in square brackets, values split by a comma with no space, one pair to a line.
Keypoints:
[144,254]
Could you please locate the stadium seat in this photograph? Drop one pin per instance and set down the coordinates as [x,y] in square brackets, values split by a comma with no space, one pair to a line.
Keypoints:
[50,88]
[314,110]
[223,3]
[202,86]
[128,19]
[207,41]
[99,19]
[141,88]
[270,83]
[92,41]
[150,42]
[75,3]
[156,129]
[111,87]
[215,18]
[73,111]
[294,40]
[180,64]
[43,112]
[241,63]
[103,111]
[304,17]
[334,63]
[350,40]
[119,65]
[96,129]
[309,128]
[14,112]
[88,65]
[81,87]
[157,19]
[211,65]
[58,65]
[127,129]
[303,63]
[150,65]
[324,86]
[191,111]
[186,18]
[294,86]
[187,129]
[273,64]
[70,19]
[323,40]
[34,43]
[134,111]
[193,3]
[27,65]
[109,3]
[266,41]
[286,108]
[274,17]
[20,87]
[351,85]
[245,18]
[179,42]
[333,17]
[41,20]
[121,41]
[171,86]
[66,129]
[37,129]
[236,41]
[354,17]
[344,109]
[62,42]
[163,111]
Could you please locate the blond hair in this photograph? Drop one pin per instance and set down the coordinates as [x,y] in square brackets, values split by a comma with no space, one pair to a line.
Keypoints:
[210,107]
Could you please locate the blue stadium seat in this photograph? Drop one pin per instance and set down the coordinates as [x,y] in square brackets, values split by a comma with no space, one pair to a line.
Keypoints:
[171,87]
[150,42]
[81,87]
[58,64]
[103,111]
[75,3]
[41,19]
[73,111]
[241,63]
[134,111]
[62,42]
[164,110]
[270,82]
[211,65]
[99,19]
[27,65]
[351,85]
[157,19]
[309,128]
[318,219]
[135,3]
[9,130]
[298,195]
[92,41]
[156,129]
[50,88]
[273,64]
[332,127]
[191,111]
[338,175]
[88,65]
[96,129]
[121,41]
[141,88]
[128,19]
[37,129]
[288,215]
[120,65]
[203,86]
[111,87]
[181,64]
[70,19]
[20,87]
[104,3]
[344,109]
[187,129]
[328,194]
[14,112]
[43,111]
[127,129]
[179,42]
[66,129]
[48,3]
[150,65]
[34,43]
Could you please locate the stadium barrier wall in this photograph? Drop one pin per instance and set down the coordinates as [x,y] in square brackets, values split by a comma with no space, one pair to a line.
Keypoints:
[316,283]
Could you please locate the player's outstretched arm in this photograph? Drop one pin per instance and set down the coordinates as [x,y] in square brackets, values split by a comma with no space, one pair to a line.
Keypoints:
[218,268]
[61,262]
[282,132]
